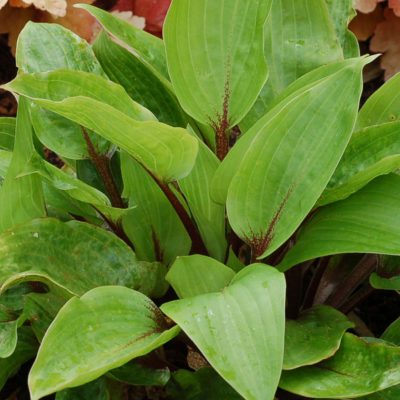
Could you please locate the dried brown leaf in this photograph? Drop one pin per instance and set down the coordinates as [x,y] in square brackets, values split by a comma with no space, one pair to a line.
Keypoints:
[387,40]
[364,25]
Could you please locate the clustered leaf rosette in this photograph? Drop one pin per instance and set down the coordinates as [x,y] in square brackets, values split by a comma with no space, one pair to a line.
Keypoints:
[201,213]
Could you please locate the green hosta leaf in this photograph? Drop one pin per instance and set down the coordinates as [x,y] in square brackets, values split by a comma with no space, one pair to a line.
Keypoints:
[366,222]
[148,48]
[299,37]
[213,46]
[314,336]
[227,169]
[358,368]
[153,225]
[74,256]
[200,385]
[209,215]
[139,81]
[194,275]
[40,309]
[62,84]
[5,161]
[379,282]
[25,350]
[8,332]
[134,373]
[342,12]
[7,133]
[47,47]
[383,106]
[290,159]
[373,151]
[96,390]
[91,335]
[76,189]
[168,152]
[21,197]
[240,330]
[392,333]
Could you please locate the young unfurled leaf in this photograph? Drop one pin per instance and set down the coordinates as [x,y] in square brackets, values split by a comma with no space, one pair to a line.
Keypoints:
[194,275]
[314,336]
[102,330]
[75,256]
[213,46]
[290,158]
[366,222]
[359,367]
[240,330]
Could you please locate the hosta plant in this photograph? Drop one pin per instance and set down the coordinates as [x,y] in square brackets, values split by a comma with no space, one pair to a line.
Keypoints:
[200,217]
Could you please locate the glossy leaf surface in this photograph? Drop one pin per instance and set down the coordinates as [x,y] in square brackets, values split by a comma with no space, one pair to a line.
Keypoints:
[240,330]
[358,368]
[372,151]
[194,275]
[299,37]
[139,81]
[115,325]
[212,48]
[168,152]
[290,157]
[314,336]
[75,256]
[366,222]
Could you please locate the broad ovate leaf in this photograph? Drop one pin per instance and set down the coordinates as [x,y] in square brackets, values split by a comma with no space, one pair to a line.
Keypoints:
[194,275]
[358,368]
[240,330]
[21,197]
[213,47]
[74,256]
[46,47]
[167,152]
[290,158]
[366,222]
[105,328]
[314,336]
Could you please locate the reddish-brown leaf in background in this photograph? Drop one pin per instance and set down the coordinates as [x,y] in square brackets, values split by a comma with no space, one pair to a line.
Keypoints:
[387,40]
